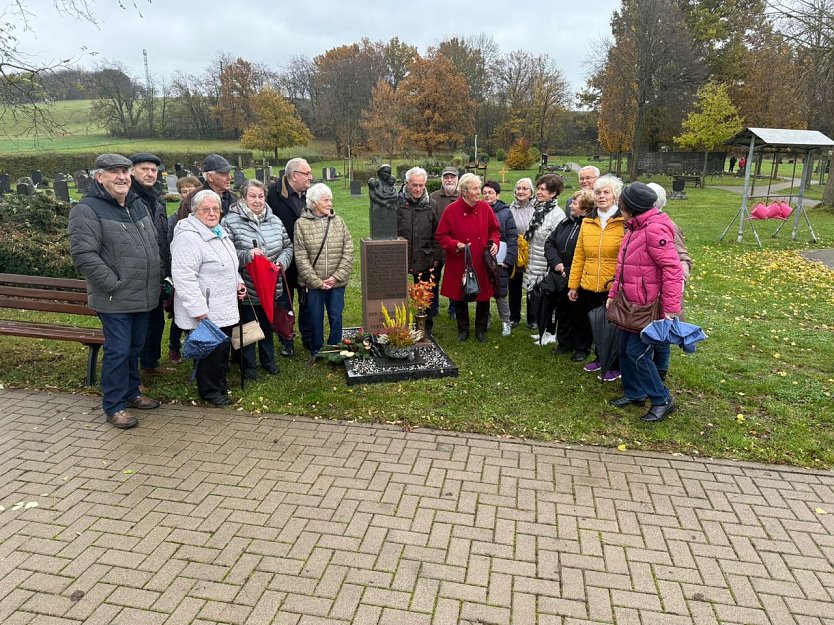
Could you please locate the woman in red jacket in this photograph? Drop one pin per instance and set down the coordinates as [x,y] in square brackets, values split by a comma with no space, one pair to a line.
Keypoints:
[468,221]
[648,269]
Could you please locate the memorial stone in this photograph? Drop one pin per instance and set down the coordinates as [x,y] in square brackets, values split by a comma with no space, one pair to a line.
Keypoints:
[383,200]
[5,183]
[82,181]
[172,183]
[259,173]
[240,177]
[325,173]
[355,188]
[333,174]
[24,189]
[62,190]
[384,279]
[37,177]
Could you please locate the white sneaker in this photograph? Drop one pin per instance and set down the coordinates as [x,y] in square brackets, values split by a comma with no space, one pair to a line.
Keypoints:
[548,338]
[535,336]
[505,328]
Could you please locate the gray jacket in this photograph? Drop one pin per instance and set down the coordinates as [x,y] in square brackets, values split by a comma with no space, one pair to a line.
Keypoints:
[115,248]
[204,269]
[270,235]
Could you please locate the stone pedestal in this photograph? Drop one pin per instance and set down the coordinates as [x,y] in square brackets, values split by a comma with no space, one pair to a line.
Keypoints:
[384,279]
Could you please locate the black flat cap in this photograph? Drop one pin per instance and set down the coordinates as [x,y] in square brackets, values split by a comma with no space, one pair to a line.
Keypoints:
[112,161]
[145,157]
[215,162]
[638,198]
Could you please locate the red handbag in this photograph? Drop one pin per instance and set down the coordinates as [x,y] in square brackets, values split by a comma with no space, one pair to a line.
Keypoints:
[283,319]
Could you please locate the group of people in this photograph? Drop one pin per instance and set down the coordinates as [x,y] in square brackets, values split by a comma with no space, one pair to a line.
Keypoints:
[139,262]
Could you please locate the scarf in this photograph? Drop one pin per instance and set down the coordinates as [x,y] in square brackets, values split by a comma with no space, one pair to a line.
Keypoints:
[250,214]
[522,213]
[218,231]
[541,211]
[604,216]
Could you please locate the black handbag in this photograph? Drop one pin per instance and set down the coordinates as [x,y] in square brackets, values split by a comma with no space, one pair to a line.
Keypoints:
[470,287]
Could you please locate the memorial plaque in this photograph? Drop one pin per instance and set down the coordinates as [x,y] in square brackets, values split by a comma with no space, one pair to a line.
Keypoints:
[24,189]
[325,173]
[355,188]
[259,173]
[332,172]
[37,177]
[5,183]
[384,279]
[62,190]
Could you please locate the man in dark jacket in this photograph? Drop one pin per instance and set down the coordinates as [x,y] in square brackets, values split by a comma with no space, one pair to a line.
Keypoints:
[287,198]
[445,195]
[144,173]
[417,219]
[114,246]
[219,179]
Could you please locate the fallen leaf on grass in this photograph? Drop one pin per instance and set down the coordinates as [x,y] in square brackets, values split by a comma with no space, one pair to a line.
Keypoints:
[622,447]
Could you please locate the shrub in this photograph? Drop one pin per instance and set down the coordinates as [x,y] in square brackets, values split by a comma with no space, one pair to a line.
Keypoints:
[500,155]
[433,184]
[519,155]
[35,241]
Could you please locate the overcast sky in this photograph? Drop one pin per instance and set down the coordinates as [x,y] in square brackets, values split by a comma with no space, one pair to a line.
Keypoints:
[182,35]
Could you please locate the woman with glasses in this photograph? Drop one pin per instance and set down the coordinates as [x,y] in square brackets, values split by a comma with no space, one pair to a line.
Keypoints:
[522,211]
[204,268]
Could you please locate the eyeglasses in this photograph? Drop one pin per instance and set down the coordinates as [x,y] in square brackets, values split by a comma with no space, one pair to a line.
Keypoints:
[304,173]
[523,189]
[587,178]
[209,209]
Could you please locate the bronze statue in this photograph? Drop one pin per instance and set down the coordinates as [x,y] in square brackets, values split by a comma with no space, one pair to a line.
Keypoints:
[383,196]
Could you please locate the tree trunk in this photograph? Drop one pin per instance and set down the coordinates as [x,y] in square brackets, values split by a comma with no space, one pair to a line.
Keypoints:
[275,151]
[706,156]
[828,194]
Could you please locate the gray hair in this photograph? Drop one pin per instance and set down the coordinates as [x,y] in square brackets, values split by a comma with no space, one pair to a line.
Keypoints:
[293,165]
[528,181]
[244,188]
[415,171]
[200,198]
[316,193]
[661,195]
[468,180]
[592,168]
[611,181]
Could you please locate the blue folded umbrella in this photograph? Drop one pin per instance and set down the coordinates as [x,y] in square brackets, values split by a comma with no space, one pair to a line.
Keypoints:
[203,340]
[673,331]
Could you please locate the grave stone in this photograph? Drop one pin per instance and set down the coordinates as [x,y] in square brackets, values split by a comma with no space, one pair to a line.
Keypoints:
[333,174]
[325,174]
[82,181]
[62,190]
[678,186]
[240,177]
[24,189]
[268,173]
[172,183]
[384,279]
[37,177]
[5,183]
[259,173]
[355,188]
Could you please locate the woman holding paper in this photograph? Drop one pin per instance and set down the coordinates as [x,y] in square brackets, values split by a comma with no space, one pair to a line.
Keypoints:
[507,249]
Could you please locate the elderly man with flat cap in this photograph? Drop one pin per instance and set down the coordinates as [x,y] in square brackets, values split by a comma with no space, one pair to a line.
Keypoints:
[445,195]
[144,172]
[217,172]
[114,246]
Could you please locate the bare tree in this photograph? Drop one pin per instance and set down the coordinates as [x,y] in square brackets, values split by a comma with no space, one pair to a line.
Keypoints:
[121,104]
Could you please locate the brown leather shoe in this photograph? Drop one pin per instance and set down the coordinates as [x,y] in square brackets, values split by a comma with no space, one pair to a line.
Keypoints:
[158,371]
[143,389]
[123,420]
[143,402]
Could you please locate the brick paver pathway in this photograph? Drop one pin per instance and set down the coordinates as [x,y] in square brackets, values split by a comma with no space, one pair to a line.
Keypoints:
[213,516]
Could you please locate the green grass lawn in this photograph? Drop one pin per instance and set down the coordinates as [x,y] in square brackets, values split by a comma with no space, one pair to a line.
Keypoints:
[760,388]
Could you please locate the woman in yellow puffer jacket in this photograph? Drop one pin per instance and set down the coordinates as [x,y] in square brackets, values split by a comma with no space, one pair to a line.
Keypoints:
[595,259]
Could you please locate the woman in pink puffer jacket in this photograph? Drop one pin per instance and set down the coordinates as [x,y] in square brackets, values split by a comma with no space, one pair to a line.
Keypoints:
[648,268]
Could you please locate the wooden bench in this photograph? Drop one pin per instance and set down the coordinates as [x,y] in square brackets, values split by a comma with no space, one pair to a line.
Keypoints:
[698,180]
[58,295]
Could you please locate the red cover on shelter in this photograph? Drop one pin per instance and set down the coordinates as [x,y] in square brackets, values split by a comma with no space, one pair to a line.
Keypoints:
[264,276]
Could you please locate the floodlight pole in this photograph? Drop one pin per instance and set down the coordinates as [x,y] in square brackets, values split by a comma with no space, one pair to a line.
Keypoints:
[742,213]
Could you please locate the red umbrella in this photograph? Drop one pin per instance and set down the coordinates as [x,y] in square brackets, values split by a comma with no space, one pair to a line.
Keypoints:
[264,276]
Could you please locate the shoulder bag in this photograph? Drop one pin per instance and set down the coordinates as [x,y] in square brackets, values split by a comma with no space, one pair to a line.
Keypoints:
[470,288]
[249,332]
[628,316]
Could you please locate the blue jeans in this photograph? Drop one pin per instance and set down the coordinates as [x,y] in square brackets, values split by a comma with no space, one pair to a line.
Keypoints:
[334,300]
[663,356]
[151,351]
[640,377]
[124,337]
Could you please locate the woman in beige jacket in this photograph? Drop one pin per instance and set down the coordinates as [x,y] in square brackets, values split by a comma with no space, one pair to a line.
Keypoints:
[324,257]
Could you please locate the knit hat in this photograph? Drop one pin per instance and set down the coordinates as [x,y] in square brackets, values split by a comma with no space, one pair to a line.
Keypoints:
[638,197]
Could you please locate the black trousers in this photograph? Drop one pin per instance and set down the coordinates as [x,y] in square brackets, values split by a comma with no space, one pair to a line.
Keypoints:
[265,348]
[481,316]
[213,370]
[515,290]
[573,329]
[590,300]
